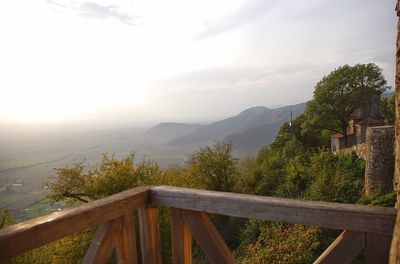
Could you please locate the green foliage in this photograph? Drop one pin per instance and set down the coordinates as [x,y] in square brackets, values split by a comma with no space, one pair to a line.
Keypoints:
[384,200]
[5,218]
[283,168]
[309,136]
[77,184]
[336,178]
[280,243]
[296,179]
[388,110]
[339,94]
[288,169]
[70,249]
[248,175]
[292,168]
[271,174]
[215,167]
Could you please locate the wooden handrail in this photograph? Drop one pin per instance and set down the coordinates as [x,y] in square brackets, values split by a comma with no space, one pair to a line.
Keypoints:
[34,233]
[360,218]
[376,222]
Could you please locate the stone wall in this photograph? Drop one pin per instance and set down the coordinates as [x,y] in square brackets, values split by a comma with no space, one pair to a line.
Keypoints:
[379,157]
[359,150]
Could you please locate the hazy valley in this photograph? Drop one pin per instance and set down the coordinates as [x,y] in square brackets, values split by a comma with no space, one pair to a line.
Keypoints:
[27,159]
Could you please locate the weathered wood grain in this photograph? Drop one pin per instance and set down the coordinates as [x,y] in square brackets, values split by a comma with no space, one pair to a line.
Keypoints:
[34,233]
[103,242]
[181,238]
[395,247]
[150,241]
[378,248]
[397,108]
[208,238]
[126,241]
[347,246]
[394,257]
[351,217]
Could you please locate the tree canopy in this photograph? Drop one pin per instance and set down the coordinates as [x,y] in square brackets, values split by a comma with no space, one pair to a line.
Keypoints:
[114,175]
[388,110]
[215,167]
[339,94]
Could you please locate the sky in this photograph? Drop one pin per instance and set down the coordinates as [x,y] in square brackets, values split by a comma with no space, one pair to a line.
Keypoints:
[142,62]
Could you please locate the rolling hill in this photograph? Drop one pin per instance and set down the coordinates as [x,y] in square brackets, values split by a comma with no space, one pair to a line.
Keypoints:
[249,130]
[169,131]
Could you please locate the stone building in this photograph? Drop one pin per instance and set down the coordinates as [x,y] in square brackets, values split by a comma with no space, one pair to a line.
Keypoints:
[374,142]
[367,116]
[338,142]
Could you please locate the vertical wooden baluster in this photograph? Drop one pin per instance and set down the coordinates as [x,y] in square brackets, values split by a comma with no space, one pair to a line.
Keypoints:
[126,241]
[378,248]
[150,241]
[181,238]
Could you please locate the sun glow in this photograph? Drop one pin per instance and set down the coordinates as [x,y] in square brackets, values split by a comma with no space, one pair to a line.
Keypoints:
[62,59]
[63,65]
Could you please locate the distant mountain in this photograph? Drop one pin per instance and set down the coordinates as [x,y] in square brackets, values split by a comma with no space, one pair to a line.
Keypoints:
[251,129]
[254,138]
[169,131]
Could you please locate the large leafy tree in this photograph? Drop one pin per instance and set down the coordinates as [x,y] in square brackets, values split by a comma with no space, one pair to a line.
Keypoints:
[112,176]
[215,167]
[339,94]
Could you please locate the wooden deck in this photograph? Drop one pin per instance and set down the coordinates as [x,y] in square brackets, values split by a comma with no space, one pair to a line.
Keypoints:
[364,227]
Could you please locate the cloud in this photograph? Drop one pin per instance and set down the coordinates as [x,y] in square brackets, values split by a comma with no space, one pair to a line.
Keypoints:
[98,11]
[224,78]
[249,12]
[237,78]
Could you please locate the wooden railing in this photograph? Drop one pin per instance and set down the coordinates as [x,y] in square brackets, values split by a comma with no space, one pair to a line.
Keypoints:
[363,226]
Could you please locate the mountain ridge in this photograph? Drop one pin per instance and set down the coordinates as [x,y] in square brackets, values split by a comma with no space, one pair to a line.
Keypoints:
[170,130]
[250,129]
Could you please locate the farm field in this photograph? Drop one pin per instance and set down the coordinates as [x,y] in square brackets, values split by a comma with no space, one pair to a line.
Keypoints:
[28,160]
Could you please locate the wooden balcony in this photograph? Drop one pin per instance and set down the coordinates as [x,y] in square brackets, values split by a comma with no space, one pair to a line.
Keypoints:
[363,226]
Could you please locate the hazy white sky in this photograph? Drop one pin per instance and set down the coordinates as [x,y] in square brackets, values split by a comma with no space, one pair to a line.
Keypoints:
[179,60]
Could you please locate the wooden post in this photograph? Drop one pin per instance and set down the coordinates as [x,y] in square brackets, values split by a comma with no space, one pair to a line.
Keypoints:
[397,108]
[395,248]
[378,248]
[126,241]
[181,239]
[150,241]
